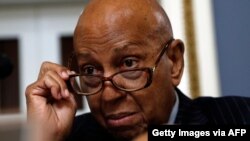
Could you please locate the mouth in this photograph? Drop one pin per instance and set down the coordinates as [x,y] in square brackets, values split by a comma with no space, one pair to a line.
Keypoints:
[125,119]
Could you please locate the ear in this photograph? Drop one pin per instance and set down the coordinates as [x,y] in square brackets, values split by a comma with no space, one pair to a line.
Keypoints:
[176,56]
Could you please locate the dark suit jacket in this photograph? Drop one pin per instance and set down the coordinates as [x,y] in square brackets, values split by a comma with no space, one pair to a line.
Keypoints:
[230,110]
[204,110]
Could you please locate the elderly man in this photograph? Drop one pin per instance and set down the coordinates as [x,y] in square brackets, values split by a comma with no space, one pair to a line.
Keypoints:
[129,69]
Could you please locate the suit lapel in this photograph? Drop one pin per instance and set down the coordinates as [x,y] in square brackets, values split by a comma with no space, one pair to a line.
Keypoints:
[188,113]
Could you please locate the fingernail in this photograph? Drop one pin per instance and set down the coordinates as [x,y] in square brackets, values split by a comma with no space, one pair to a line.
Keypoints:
[64,74]
[68,72]
[72,72]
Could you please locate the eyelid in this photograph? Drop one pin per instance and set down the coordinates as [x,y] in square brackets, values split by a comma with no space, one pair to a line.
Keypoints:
[84,66]
[129,57]
[87,65]
[89,62]
[96,67]
[135,60]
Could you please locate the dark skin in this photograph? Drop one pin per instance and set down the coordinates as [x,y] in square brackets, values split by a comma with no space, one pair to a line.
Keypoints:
[112,36]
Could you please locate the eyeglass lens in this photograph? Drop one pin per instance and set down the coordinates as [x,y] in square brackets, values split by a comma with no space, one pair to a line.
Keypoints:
[127,80]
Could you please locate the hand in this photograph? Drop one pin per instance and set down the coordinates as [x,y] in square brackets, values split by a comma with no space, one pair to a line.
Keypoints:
[51,106]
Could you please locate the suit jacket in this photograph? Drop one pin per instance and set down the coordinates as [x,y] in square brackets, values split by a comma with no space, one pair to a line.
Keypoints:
[230,110]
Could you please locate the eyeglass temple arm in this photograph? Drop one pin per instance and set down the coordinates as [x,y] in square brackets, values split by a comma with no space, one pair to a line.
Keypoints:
[162,52]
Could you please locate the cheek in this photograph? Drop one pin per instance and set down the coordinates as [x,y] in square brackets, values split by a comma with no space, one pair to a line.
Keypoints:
[93,102]
[156,105]
[95,107]
[157,100]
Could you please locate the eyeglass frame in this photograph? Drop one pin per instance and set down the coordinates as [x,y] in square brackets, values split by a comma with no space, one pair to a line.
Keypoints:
[149,70]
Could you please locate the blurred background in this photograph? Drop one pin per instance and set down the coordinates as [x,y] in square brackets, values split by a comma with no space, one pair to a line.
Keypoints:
[216,34]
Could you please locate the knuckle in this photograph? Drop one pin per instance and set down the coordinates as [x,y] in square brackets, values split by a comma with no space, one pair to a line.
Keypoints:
[48,66]
[28,90]
[45,64]
[44,68]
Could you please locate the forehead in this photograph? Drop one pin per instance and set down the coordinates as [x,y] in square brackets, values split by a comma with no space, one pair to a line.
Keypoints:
[113,48]
[105,39]
[112,32]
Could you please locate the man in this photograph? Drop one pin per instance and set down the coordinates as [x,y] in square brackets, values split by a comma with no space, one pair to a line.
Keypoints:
[129,69]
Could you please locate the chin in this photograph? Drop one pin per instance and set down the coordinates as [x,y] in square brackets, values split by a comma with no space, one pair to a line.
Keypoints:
[128,133]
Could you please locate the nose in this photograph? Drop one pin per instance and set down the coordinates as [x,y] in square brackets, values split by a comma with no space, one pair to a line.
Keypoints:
[110,93]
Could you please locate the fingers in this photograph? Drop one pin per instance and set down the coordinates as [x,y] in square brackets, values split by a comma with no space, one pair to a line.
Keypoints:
[49,102]
[49,66]
[55,83]
[51,82]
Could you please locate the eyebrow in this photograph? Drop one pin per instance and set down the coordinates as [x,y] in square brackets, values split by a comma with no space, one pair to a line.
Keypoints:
[128,47]
[84,55]
[129,50]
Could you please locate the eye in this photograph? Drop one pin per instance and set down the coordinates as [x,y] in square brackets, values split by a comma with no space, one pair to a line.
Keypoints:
[89,70]
[129,63]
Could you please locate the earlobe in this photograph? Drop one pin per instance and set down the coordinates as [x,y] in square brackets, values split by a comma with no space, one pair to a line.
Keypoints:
[175,54]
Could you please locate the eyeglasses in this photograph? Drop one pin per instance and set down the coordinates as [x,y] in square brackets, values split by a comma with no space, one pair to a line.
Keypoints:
[126,80]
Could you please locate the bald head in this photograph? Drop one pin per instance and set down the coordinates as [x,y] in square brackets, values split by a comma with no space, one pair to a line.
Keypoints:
[143,16]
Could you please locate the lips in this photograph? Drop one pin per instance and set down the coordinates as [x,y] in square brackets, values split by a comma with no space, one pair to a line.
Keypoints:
[124,119]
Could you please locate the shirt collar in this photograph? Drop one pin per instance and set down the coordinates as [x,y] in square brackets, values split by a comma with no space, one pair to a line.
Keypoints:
[174,111]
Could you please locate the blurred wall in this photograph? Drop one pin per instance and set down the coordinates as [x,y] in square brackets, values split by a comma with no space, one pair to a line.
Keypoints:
[38,27]
[232,24]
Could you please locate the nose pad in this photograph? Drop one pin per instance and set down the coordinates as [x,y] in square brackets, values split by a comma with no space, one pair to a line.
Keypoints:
[111,93]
